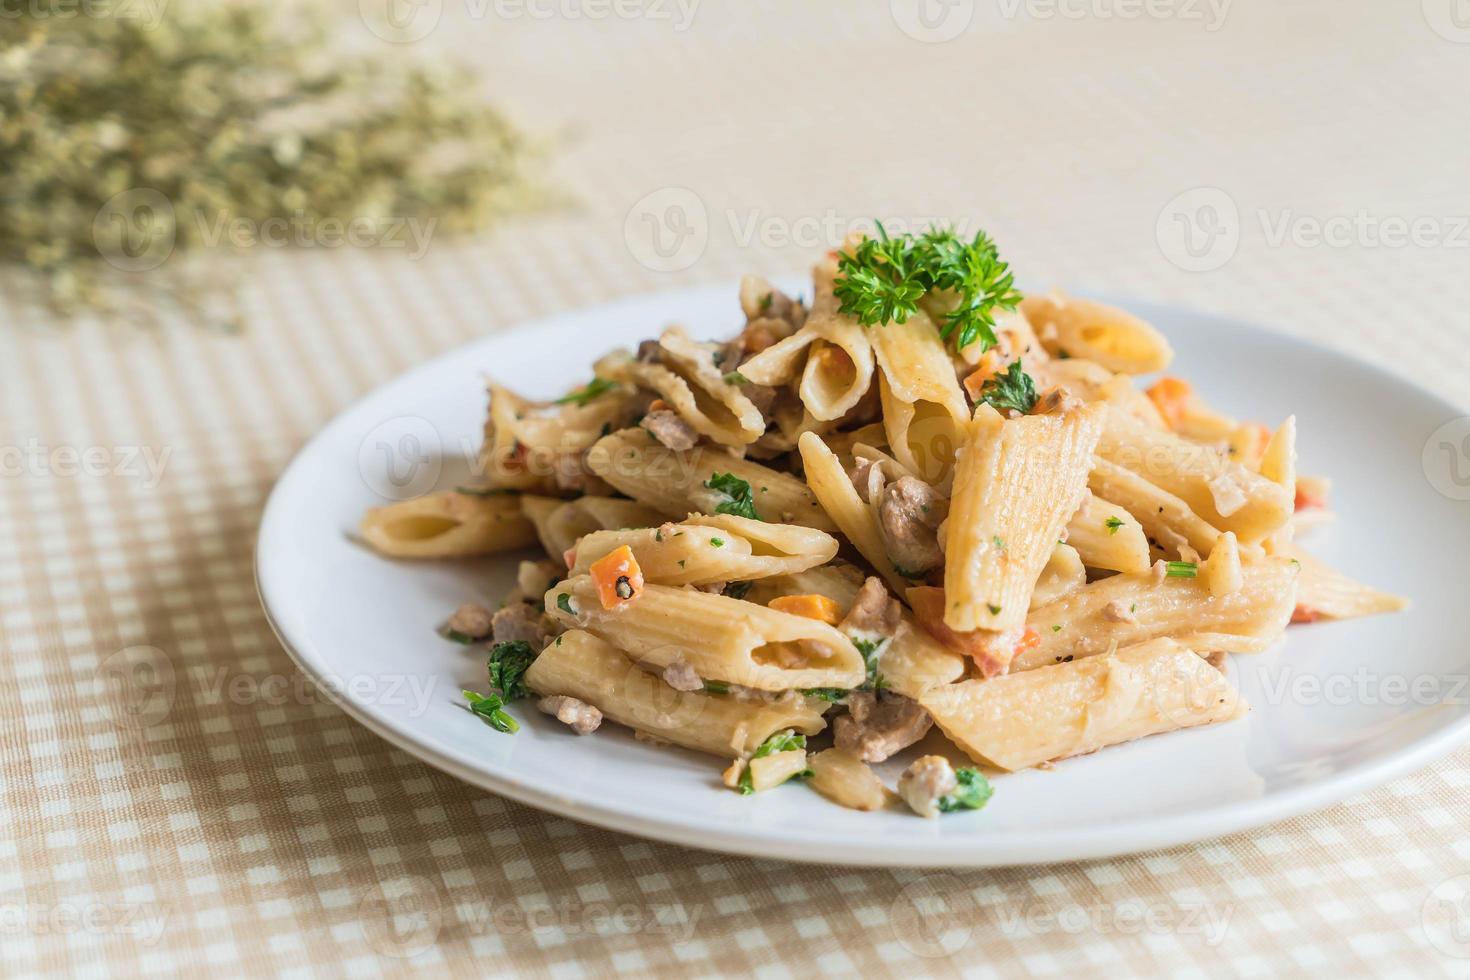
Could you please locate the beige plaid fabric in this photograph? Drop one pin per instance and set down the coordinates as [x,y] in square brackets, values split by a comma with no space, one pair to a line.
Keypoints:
[176,800]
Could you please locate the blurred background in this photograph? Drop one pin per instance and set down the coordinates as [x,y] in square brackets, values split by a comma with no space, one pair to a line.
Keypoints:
[220,227]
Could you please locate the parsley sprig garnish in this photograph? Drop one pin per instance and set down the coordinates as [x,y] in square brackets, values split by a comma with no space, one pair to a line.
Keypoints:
[508,664]
[490,707]
[883,279]
[739,500]
[1012,389]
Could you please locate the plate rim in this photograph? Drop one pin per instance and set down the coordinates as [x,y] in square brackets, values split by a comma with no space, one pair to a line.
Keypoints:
[918,851]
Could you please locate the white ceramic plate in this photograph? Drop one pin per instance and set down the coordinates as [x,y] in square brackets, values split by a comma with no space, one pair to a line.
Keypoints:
[1337,709]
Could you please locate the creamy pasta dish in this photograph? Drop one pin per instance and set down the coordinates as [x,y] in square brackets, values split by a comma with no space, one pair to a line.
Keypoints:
[916,514]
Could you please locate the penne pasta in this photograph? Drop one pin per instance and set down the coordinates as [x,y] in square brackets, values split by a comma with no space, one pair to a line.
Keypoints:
[448,524]
[1108,537]
[1325,593]
[579,665]
[842,505]
[1164,517]
[674,483]
[1069,709]
[1104,334]
[686,553]
[1017,483]
[1126,609]
[721,638]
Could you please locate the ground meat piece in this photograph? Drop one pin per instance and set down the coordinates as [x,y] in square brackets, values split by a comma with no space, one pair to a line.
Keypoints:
[924,782]
[1055,400]
[908,514]
[1118,611]
[568,472]
[878,725]
[761,396]
[472,620]
[580,716]
[873,611]
[681,677]
[520,621]
[861,475]
[668,428]
[759,299]
[649,352]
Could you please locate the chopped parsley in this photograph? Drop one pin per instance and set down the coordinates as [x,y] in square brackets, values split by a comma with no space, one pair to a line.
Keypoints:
[717,542]
[972,793]
[785,740]
[883,279]
[508,664]
[486,491]
[716,687]
[766,302]
[1182,569]
[593,389]
[736,378]
[736,590]
[1012,389]
[490,707]
[459,637]
[1112,524]
[869,650]
[994,610]
[1056,629]
[828,694]
[739,501]
[564,603]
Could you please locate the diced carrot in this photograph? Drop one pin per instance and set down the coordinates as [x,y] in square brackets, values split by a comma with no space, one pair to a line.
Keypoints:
[1171,396]
[659,405]
[1308,500]
[1028,640]
[818,607]
[1305,614]
[984,371]
[618,577]
[928,605]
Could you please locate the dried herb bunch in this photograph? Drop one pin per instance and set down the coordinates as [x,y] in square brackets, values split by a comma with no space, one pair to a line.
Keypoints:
[124,139]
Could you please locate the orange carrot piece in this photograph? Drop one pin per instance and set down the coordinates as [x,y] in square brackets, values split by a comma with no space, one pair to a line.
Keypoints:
[1171,396]
[1029,640]
[928,605]
[659,405]
[1307,500]
[1305,614]
[984,371]
[817,607]
[618,577]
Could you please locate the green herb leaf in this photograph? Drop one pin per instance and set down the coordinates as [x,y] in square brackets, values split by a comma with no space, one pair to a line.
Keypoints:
[1182,569]
[785,740]
[508,664]
[459,637]
[595,388]
[1013,389]
[564,603]
[828,694]
[717,542]
[1112,524]
[738,501]
[870,650]
[736,590]
[736,378]
[972,793]
[716,687]
[489,707]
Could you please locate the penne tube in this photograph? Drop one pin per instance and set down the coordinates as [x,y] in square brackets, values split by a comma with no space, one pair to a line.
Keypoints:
[536,446]
[1017,483]
[1126,609]
[564,521]
[916,364]
[1119,341]
[1164,517]
[1324,592]
[923,435]
[685,553]
[1223,493]
[579,665]
[448,524]
[672,483]
[1106,536]
[1021,720]
[842,505]
[1062,573]
[721,638]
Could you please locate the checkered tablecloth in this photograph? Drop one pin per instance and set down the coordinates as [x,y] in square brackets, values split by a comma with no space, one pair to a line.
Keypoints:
[1253,157]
